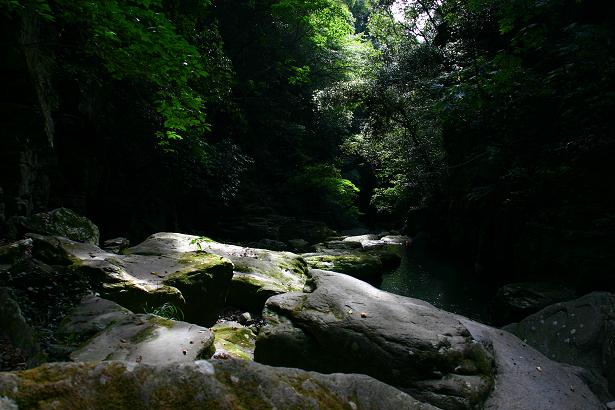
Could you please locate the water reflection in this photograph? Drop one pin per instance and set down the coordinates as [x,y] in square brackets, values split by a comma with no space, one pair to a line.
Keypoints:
[441,282]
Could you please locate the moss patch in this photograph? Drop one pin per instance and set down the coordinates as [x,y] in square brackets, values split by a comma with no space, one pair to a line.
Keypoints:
[237,341]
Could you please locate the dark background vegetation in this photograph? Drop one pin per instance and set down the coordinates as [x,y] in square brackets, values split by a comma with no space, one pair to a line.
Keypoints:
[486,124]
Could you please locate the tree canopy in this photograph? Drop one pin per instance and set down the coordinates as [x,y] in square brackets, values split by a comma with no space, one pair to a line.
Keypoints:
[488,114]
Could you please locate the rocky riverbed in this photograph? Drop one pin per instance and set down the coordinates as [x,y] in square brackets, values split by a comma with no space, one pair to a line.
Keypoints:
[181,321]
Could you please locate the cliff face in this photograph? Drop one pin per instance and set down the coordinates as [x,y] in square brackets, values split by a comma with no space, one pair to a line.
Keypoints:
[72,139]
[26,109]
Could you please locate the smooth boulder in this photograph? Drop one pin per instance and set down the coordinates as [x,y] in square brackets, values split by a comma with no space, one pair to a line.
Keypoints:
[216,384]
[580,332]
[346,325]
[106,331]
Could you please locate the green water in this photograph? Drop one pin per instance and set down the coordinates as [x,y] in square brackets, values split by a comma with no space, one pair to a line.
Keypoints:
[441,282]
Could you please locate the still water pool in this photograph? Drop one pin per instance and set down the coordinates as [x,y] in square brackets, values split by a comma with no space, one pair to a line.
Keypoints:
[442,282]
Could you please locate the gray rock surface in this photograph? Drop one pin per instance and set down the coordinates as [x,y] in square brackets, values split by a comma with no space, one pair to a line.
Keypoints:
[526,379]
[196,282]
[113,333]
[515,301]
[347,326]
[580,332]
[258,273]
[224,384]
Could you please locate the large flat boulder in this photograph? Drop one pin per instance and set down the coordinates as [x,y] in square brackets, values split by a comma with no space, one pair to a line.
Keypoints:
[225,384]
[106,331]
[258,273]
[580,332]
[196,282]
[346,325]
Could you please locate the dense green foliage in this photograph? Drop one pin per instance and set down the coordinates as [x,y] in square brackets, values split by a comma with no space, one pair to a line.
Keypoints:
[495,115]
[481,120]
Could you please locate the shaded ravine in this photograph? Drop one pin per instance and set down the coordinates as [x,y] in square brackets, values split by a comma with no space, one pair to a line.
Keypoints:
[441,281]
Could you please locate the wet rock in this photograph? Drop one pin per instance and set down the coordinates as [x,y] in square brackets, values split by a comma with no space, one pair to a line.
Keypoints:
[258,273]
[106,331]
[233,340]
[196,282]
[59,222]
[216,384]
[345,325]
[515,301]
[116,245]
[580,332]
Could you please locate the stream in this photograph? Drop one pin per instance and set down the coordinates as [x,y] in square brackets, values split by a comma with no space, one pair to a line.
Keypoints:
[442,282]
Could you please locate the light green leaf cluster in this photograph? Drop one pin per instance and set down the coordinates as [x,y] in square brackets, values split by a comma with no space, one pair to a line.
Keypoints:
[136,41]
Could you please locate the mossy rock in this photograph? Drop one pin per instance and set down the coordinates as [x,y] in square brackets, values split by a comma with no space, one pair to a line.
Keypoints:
[234,340]
[258,273]
[59,222]
[197,282]
[215,385]
[357,264]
